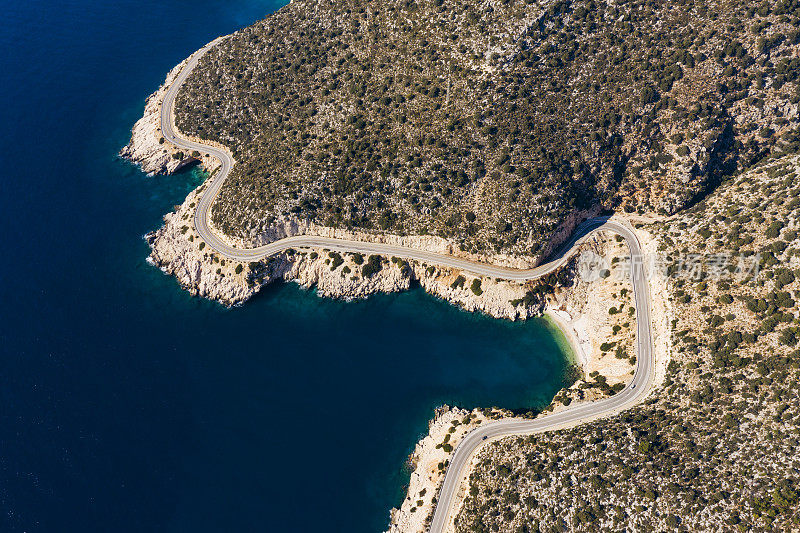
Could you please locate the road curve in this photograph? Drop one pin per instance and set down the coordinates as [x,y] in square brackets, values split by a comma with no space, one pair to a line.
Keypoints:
[631,395]
[628,397]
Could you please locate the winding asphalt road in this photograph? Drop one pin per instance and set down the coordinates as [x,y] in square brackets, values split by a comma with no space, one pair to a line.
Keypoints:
[628,397]
[631,395]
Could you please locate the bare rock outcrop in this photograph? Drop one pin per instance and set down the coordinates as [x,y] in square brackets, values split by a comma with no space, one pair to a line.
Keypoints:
[445,431]
[178,251]
[147,147]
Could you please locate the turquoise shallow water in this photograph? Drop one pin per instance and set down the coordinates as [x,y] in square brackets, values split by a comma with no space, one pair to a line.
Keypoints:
[125,404]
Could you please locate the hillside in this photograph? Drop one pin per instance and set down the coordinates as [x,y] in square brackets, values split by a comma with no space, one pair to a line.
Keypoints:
[488,123]
[715,448]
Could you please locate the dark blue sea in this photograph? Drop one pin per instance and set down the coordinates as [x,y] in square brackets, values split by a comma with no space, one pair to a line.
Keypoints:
[127,405]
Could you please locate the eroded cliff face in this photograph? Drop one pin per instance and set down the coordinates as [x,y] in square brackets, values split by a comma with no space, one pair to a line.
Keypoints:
[178,250]
[427,463]
[147,147]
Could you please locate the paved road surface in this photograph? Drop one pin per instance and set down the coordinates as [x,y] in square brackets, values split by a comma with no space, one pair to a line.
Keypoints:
[631,395]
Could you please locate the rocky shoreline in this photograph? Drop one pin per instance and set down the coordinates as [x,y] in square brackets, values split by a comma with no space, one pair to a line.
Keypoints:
[178,250]
[581,312]
[147,147]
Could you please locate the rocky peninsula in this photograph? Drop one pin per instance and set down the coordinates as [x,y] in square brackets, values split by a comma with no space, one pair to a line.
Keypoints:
[576,306]
[488,131]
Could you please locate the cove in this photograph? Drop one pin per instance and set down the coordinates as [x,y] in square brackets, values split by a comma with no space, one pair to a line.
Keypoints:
[127,405]
[321,401]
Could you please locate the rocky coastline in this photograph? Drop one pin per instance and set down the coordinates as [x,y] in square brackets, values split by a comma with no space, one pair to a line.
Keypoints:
[147,147]
[178,250]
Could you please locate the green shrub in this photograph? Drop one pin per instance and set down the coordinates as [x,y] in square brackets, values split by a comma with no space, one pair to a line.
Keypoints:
[336,260]
[774,230]
[475,287]
[373,265]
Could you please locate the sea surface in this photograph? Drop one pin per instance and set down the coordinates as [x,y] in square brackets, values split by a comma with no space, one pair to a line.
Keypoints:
[127,405]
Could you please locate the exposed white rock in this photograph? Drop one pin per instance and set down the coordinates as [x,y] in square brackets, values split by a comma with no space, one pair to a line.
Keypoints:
[147,147]
[345,285]
[495,300]
[178,250]
[427,463]
[284,227]
[581,312]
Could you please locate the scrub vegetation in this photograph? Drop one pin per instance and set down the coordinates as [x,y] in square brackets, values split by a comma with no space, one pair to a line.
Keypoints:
[487,123]
[715,448]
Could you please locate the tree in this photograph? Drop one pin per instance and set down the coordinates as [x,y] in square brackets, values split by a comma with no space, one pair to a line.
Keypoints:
[373,266]
[476,287]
